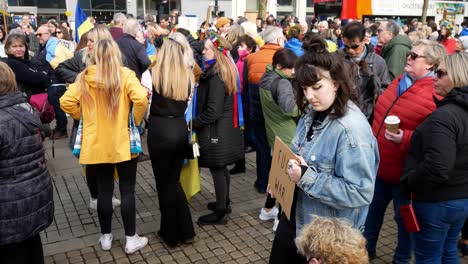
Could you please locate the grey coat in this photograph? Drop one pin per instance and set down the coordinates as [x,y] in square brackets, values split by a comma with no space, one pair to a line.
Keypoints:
[26,194]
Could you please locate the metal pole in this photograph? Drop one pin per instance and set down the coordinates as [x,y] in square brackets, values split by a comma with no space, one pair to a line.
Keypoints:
[144,9]
[216,9]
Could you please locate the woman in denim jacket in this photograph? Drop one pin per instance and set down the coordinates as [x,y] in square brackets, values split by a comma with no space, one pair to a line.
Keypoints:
[337,154]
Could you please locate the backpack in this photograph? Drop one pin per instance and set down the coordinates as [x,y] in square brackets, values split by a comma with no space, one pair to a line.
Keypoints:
[41,103]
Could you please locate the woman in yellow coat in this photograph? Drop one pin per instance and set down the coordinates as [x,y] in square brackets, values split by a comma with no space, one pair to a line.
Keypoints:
[102,96]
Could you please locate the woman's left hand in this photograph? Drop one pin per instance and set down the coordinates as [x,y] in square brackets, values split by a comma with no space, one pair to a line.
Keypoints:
[294,170]
[395,138]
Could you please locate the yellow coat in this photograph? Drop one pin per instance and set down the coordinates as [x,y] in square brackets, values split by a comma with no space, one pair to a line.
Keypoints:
[106,139]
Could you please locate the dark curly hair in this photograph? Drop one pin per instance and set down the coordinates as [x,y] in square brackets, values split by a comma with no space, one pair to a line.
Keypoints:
[309,70]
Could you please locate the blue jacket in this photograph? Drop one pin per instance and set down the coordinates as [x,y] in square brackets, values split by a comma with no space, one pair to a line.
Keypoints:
[464,32]
[295,45]
[342,159]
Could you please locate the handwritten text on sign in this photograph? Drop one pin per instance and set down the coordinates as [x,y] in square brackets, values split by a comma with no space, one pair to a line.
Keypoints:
[280,184]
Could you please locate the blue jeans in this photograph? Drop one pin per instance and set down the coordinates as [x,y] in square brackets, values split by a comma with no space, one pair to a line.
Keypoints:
[263,159]
[383,194]
[53,94]
[440,226]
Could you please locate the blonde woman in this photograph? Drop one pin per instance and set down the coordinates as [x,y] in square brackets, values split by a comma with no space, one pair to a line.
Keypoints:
[168,136]
[220,138]
[101,96]
[332,241]
[68,71]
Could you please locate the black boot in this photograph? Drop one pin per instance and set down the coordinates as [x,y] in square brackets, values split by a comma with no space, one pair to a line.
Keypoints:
[216,218]
[212,206]
[238,168]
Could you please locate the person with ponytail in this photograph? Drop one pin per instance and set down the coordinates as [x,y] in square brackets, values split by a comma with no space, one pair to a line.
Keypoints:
[102,97]
[219,123]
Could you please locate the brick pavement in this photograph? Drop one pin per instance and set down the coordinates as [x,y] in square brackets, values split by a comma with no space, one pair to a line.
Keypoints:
[73,236]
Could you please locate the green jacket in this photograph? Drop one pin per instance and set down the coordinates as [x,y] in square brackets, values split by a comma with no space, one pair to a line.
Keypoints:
[395,53]
[278,105]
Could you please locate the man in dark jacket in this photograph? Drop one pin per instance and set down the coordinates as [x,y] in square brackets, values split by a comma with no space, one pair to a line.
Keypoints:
[57,87]
[395,47]
[196,45]
[116,30]
[134,51]
[371,70]
[26,194]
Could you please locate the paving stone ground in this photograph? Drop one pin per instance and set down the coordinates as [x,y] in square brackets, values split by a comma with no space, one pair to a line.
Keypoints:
[73,236]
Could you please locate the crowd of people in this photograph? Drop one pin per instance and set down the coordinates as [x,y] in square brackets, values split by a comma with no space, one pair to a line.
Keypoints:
[374,112]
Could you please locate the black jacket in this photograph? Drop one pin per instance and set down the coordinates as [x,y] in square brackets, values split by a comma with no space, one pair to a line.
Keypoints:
[135,53]
[197,48]
[220,143]
[26,195]
[69,69]
[30,79]
[436,167]
[43,65]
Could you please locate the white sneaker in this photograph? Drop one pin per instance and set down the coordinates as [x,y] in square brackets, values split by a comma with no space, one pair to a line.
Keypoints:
[272,214]
[93,203]
[115,202]
[275,225]
[135,243]
[106,241]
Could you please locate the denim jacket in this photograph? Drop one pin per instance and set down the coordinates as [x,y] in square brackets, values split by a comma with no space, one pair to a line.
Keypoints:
[342,159]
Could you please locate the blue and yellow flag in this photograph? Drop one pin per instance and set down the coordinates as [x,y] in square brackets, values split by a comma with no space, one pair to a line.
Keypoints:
[82,23]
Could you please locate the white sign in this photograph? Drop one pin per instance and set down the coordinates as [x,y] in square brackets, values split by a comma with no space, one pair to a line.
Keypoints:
[406,7]
[189,23]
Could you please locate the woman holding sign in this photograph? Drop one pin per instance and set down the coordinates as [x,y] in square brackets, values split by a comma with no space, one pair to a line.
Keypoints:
[337,154]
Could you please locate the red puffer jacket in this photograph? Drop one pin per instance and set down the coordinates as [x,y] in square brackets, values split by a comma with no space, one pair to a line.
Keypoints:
[412,107]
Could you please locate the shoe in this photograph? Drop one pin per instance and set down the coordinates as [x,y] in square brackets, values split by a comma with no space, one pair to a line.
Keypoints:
[237,170]
[106,241]
[260,190]
[115,202]
[270,215]
[143,157]
[216,218]
[249,149]
[169,244]
[188,241]
[275,224]
[58,134]
[93,203]
[212,207]
[135,243]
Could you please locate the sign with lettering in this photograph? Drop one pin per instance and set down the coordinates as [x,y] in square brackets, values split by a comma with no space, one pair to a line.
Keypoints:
[280,184]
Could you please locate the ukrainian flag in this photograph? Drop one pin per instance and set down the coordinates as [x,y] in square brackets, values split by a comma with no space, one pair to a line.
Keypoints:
[82,23]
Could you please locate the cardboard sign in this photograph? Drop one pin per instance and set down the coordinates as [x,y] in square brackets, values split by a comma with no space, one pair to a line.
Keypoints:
[280,184]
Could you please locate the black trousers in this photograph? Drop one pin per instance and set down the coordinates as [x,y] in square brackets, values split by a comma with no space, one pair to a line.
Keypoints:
[284,248]
[167,141]
[222,182]
[105,179]
[28,251]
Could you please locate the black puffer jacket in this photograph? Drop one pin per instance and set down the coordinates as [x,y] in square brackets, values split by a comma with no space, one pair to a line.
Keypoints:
[135,52]
[26,196]
[436,167]
[220,143]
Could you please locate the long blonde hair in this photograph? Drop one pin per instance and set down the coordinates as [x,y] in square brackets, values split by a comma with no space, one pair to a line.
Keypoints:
[107,58]
[172,72]
[223,66]
[95,34]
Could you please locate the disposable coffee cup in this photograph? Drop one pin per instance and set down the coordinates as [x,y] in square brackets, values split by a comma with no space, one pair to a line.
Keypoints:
[392,123]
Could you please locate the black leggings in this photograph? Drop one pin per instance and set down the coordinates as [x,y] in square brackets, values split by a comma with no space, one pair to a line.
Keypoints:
[222,182]
[28,251]
[105,181]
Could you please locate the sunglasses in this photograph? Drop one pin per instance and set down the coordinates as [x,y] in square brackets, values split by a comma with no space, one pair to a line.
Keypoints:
[354,46]
[58,32]
[440,73]
[414,55]
[40,34]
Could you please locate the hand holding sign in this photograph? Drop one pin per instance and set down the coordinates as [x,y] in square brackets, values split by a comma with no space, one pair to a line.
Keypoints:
[280,184]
